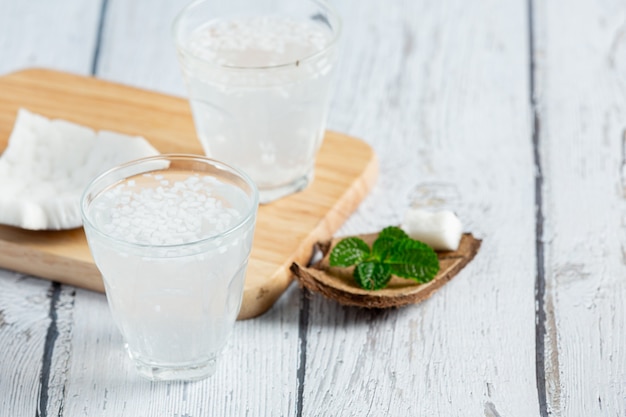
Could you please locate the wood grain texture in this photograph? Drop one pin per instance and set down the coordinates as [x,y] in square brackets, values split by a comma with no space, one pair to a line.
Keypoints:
[255,374]
[285,231]
[440,90]
[581,72]
[57,351]
[23,323]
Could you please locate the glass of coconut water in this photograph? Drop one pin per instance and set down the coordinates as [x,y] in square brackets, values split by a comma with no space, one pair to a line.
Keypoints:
[258,74]
[171,236]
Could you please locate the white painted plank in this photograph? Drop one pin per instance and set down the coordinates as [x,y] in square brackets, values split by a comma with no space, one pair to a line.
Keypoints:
[57,35]
[27,325]
[52,34]
[138,49]
[441,91]
[582,103]
[254,375]
[23,323]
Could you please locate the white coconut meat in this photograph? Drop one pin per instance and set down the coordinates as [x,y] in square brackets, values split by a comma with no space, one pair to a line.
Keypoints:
[47,165]
[441,230]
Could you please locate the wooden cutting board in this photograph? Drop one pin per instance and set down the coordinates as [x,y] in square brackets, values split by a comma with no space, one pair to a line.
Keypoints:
[345,171]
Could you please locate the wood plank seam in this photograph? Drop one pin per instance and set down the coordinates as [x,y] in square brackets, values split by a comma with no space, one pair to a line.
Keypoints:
[540,281]
[303,329]
[98,45]
[52,334]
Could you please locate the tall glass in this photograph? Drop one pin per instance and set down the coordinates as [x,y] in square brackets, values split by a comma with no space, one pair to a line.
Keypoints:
[171,236]
[258,74]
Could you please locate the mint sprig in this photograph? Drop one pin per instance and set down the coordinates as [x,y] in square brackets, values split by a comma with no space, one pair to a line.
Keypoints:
[392,253]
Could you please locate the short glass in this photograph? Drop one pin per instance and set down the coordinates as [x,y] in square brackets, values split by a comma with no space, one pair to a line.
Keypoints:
[258,74]
[172,235]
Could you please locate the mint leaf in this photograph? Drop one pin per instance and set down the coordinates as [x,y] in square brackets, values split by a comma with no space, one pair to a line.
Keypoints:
[381,247]
[348,252]
[393,253]
[385,241]
[393,232]
[372,275]
[412,259]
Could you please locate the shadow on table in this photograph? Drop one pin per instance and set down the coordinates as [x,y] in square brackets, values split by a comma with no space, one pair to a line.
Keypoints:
[315,310]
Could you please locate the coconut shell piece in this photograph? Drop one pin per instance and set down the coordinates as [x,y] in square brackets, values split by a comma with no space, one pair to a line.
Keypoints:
[338,284]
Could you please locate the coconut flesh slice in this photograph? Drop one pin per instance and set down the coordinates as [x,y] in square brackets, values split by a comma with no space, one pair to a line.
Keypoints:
[47,165]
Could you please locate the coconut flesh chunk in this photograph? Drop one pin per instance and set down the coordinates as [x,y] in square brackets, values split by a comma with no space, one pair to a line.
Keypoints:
[47,165]
[441,230]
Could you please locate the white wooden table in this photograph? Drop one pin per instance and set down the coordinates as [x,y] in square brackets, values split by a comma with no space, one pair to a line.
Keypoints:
[513,113]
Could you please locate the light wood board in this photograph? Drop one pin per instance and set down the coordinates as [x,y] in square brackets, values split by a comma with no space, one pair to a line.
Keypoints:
[345,171]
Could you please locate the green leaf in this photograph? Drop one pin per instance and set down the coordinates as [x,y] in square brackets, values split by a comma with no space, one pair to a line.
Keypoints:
[372,275]
[393,232]
[412,259]
[393,252]
[349,251]
[381,247]
[385,241]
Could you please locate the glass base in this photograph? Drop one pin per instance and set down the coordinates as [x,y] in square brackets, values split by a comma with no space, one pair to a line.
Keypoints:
[193,373]
[267,195]
[185,372]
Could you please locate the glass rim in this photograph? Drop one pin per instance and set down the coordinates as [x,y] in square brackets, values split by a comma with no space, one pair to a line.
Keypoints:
[331,43]
[250,214]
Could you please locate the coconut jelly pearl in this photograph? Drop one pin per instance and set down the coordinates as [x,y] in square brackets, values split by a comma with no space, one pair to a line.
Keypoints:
[440,230]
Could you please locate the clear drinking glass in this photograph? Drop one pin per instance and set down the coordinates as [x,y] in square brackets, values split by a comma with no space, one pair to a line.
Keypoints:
[258,74]
[171,235]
